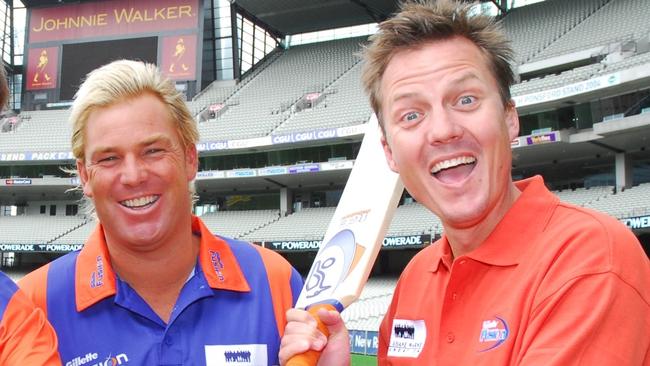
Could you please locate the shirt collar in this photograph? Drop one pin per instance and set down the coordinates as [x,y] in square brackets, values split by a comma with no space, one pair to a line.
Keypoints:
[442,255]
[95,278]
[523,222]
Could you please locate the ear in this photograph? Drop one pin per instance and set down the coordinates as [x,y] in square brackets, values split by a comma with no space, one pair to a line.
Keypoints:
[191,162]
[512,120]
[83,178]
[388,152]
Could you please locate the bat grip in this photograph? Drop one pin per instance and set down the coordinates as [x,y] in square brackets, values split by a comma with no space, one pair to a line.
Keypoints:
[310,358]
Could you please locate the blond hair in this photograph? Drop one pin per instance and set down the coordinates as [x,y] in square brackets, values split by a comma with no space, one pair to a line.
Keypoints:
[123,80]
[420,22]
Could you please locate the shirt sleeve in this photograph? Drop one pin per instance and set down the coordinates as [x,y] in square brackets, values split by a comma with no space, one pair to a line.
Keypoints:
[26,337]
[593,320]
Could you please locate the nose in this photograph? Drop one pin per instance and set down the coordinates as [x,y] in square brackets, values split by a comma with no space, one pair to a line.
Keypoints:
[133,171]
[443,127]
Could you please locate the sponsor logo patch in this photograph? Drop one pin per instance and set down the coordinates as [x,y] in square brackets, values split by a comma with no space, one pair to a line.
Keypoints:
[93,359]
[235,355]
[217,264]
[407,338]
[493,333]
[97,277]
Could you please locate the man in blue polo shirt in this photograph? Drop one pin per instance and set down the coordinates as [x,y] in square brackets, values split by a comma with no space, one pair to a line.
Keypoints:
[152,285]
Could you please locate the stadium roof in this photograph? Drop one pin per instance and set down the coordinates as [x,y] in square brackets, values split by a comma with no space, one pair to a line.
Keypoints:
[301,16]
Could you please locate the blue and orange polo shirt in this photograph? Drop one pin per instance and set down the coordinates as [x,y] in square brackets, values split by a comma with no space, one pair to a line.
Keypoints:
[230,312]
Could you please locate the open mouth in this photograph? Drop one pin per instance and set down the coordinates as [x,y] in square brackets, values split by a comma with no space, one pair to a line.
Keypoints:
[454,170]
[140,202]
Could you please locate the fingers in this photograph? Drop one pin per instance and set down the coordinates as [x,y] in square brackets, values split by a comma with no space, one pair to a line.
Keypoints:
[300,335]
[337,350]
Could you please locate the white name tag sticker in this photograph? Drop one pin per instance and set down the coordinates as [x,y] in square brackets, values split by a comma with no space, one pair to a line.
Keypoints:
[407,338]
[235,355]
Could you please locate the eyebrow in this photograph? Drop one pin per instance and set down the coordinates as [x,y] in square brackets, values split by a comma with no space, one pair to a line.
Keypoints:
[467,76]
[464,77]
[146,142]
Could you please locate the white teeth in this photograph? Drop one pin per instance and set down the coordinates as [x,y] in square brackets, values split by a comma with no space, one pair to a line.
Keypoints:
[446,164]
[139,202]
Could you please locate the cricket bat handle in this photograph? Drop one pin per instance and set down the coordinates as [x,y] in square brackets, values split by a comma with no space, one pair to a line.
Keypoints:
[310,358]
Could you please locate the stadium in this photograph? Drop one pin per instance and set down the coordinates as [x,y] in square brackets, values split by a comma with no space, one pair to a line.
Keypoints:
[275,89]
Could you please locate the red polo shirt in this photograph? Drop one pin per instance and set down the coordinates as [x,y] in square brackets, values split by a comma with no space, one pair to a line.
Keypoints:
[553,284]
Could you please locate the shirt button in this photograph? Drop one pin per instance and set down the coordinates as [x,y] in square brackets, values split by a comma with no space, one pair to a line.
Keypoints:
[169,341]
[450,337]
[454,296]
[462,261]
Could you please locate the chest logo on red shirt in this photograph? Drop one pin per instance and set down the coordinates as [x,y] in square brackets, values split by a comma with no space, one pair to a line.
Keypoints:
[407,338]
[493,333]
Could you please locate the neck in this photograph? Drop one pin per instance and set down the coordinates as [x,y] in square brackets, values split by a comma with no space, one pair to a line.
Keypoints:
[464,239]
[157,274]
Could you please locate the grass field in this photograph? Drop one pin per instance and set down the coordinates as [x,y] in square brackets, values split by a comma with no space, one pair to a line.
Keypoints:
[360,360]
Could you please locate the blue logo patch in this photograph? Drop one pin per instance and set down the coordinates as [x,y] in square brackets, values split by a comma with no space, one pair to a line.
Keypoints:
[493,333]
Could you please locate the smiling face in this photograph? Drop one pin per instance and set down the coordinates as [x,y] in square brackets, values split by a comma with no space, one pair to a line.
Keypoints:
[447,132]
[137,172]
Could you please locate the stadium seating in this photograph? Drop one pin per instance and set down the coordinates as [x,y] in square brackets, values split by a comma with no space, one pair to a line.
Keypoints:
[533,28]
[413,218]
[584,196]
[344,104]
[40,131]
[235,224]
[266,100]
[367,312]
[634,201]
[36,229]
[306,224]
[556,80]
[78,235]
[615,21]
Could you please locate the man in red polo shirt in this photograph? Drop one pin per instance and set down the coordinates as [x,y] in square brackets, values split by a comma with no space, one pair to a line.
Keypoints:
[518,278]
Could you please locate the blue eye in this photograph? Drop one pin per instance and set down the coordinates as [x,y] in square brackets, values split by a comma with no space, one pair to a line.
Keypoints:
[465,100]
[412,116]
[106,159]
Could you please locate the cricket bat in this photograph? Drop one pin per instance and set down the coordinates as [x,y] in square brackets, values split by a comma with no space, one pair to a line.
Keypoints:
[354,236]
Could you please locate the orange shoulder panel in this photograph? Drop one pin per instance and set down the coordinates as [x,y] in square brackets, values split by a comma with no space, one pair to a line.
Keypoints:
[34,284]
[278,271]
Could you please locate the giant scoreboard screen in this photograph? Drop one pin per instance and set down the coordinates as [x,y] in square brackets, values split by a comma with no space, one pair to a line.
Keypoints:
[65,42]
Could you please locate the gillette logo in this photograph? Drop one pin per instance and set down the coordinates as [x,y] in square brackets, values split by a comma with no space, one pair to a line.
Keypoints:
[78,361]
[90,359]
[97,277]
[493,333]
